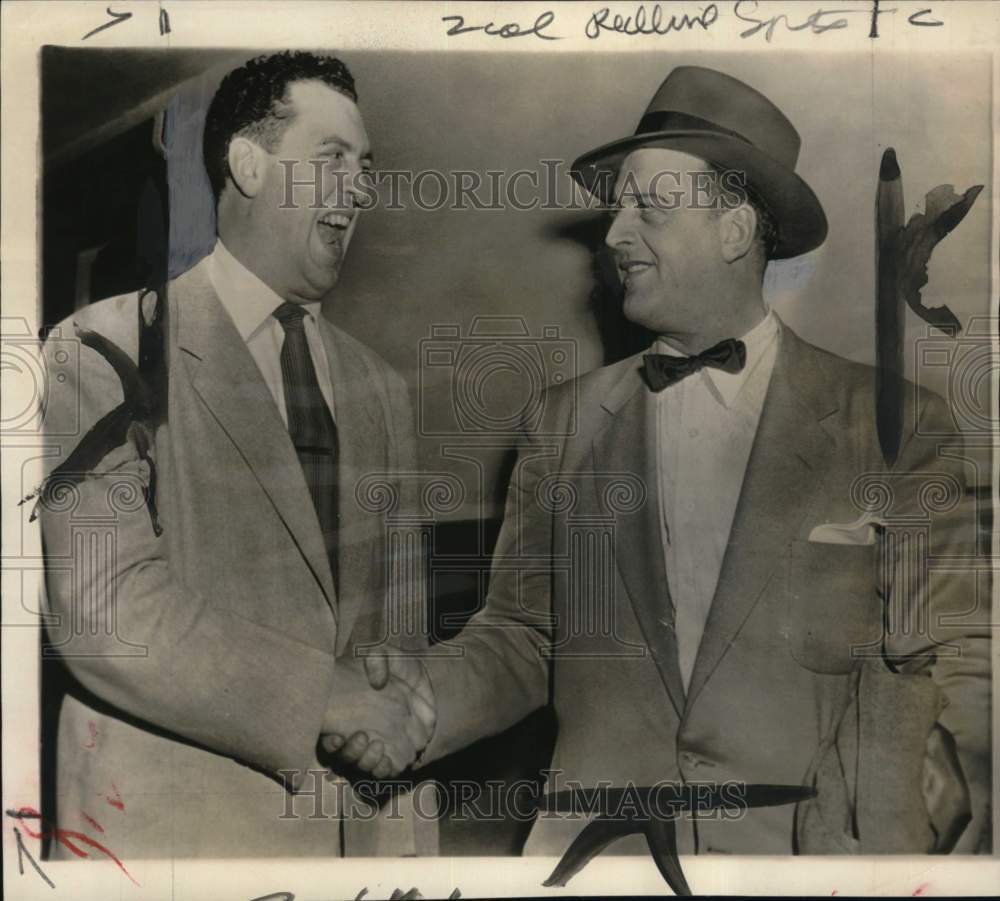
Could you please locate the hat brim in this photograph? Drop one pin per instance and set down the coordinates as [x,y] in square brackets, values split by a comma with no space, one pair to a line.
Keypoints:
[798,214]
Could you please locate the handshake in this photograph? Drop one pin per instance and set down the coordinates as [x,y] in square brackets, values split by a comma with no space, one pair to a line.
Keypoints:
[381,715]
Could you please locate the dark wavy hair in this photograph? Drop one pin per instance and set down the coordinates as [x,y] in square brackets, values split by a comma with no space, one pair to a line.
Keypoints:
[252,102]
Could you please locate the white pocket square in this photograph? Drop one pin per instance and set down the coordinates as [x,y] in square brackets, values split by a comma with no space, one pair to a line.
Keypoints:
[860,532]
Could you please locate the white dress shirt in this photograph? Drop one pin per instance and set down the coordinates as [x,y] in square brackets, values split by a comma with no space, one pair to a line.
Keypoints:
[250,303]
[706,424]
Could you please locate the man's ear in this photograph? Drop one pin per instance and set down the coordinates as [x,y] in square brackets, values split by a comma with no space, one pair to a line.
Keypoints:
[736,232]
[246,166]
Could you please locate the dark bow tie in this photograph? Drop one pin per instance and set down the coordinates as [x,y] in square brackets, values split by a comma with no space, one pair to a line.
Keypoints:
[663,370]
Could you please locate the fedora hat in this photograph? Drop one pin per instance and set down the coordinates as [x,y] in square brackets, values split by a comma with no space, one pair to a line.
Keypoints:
[727,123]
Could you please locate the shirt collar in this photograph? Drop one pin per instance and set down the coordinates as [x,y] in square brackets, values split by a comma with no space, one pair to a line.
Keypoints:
[247,300]
[727,385]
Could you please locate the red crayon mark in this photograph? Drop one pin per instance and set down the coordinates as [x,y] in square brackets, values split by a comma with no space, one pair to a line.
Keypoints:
[93,735]
[66,838]
[92,821]
[116,801]
[920,889]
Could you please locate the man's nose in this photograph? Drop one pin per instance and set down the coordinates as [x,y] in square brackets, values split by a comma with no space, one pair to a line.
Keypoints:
[345,186]
[620,232]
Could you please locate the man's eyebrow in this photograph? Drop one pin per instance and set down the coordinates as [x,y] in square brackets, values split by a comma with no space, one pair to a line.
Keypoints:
[334,141]
[638,196]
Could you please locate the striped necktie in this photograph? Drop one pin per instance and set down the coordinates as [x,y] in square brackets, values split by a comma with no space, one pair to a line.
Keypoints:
[310,425]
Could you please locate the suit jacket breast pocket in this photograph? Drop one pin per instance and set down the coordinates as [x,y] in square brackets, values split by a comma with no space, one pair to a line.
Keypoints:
[834,614]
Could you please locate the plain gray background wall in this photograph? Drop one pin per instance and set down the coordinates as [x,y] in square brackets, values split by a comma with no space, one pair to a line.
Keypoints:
[409,270]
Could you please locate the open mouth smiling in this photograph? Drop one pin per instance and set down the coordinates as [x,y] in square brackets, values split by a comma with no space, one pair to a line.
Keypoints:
[333,226]
[630,268]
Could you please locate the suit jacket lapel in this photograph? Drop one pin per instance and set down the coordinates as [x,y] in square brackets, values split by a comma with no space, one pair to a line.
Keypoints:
[789,454]
[627,443]
[361,437]
[225,376]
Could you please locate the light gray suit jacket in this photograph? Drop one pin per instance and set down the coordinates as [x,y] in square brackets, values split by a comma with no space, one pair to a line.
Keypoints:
[578,614]
[204,659]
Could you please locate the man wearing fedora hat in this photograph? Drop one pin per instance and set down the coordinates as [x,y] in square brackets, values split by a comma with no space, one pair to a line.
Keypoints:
[730,618]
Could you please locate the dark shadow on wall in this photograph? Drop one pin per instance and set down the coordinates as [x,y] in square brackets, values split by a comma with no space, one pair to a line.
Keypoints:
[517,756]
[619,337]
[104,223]
[488,772]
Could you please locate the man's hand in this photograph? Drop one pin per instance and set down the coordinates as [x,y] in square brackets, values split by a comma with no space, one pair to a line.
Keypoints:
[382,714]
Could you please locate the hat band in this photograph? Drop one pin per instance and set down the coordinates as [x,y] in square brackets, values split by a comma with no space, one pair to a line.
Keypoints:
[667,120]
